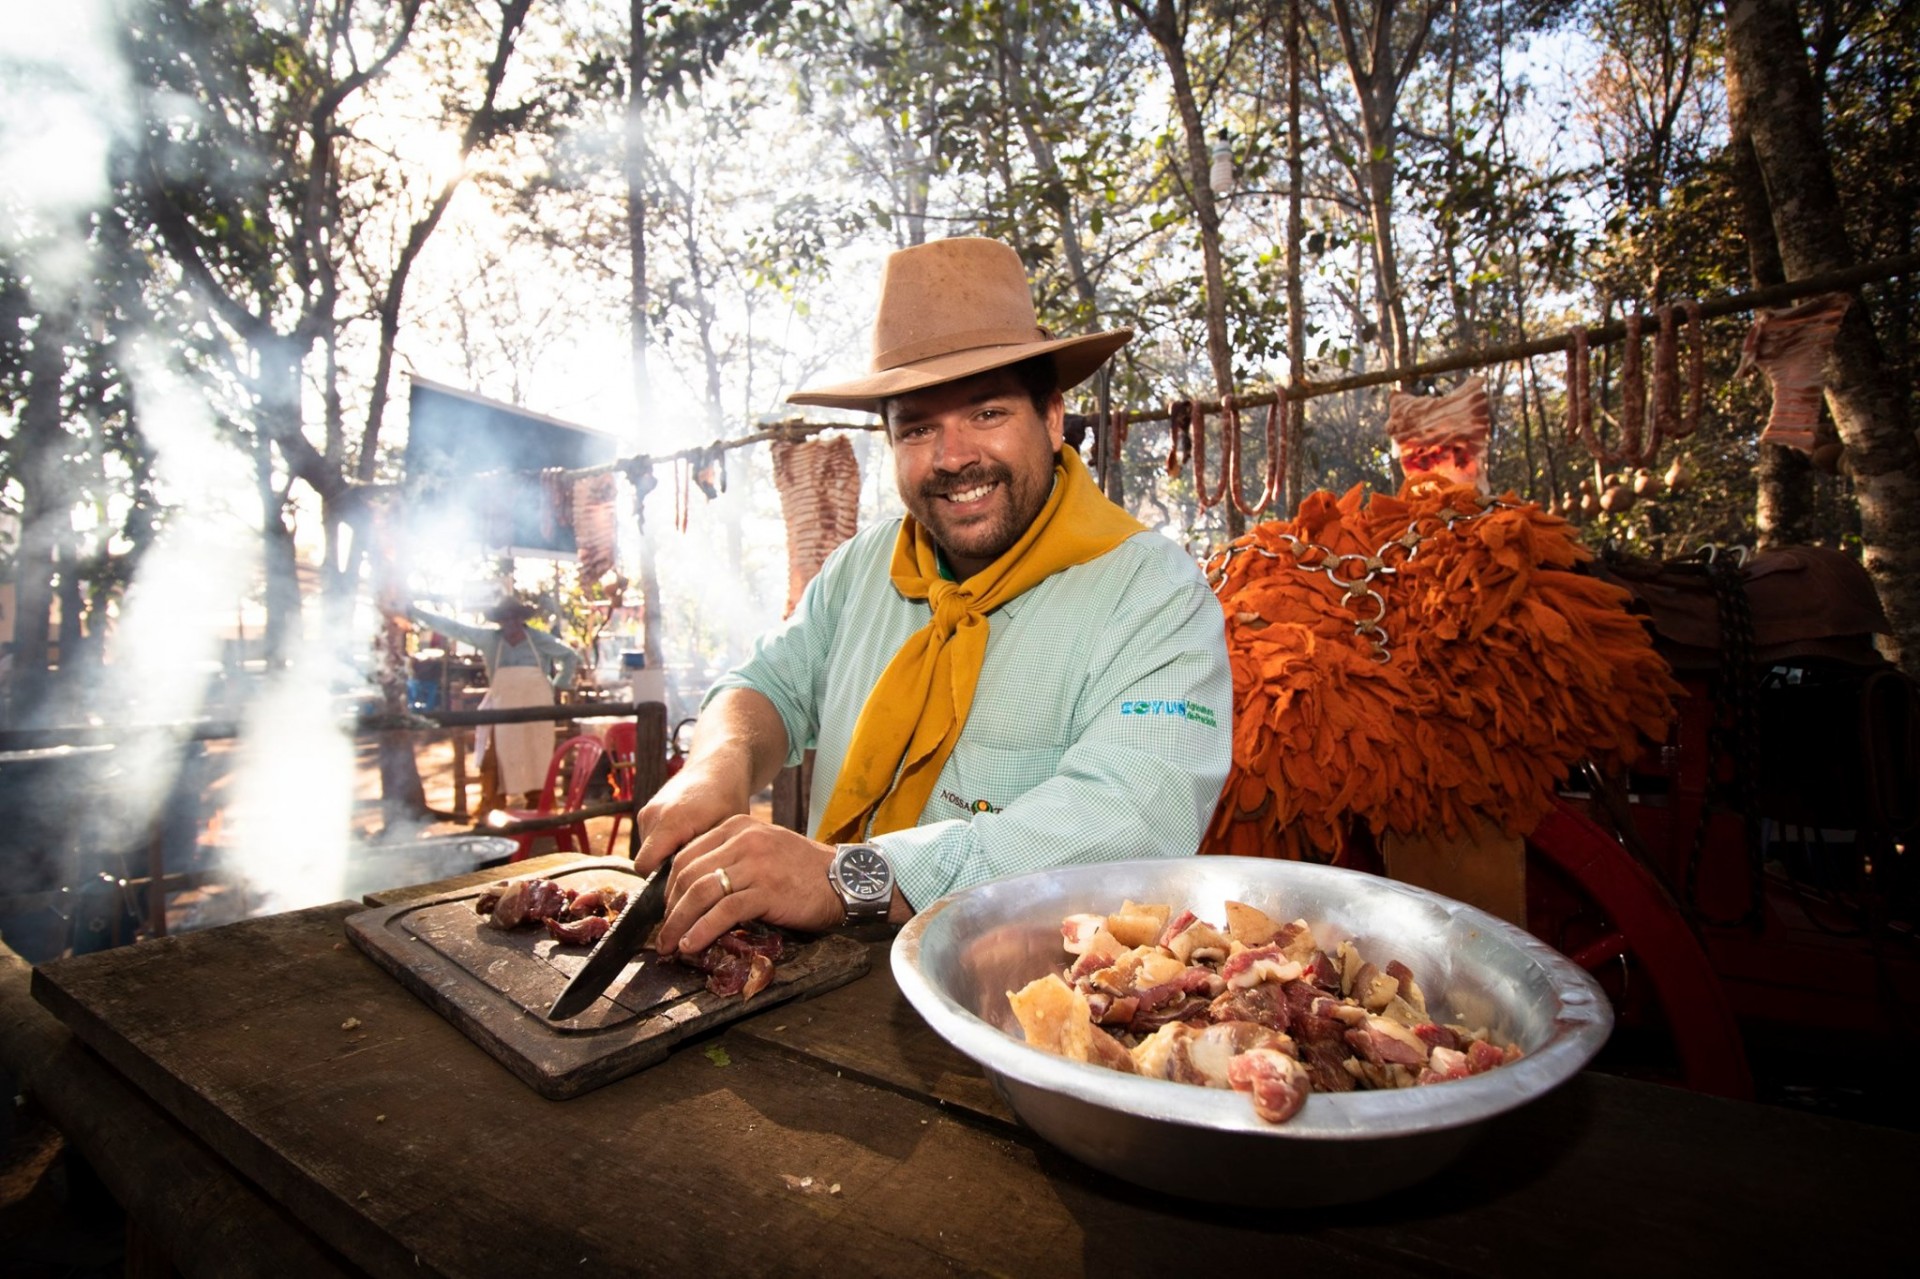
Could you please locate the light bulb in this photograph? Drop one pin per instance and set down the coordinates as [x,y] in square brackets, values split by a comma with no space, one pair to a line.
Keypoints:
[1220,175]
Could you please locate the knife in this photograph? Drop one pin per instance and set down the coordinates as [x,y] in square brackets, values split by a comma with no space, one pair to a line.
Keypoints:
[611,953]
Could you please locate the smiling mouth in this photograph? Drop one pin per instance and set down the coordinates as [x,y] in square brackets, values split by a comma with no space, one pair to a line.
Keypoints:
[963,496]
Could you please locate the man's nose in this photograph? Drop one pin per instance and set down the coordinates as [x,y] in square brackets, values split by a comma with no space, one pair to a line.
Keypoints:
[956,450]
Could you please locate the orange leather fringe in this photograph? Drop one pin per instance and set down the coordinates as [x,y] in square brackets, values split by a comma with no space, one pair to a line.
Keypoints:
[1505,667]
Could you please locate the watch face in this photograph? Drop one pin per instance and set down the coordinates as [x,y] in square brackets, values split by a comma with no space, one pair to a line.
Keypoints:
[863,873]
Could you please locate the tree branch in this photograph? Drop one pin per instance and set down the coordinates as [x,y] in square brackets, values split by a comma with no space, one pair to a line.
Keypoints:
[479,128]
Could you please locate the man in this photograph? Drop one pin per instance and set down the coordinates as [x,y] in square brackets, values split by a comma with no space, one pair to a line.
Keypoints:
[1016,675]
[513,757]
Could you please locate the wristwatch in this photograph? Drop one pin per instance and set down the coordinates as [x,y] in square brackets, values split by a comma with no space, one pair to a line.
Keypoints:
[863,878]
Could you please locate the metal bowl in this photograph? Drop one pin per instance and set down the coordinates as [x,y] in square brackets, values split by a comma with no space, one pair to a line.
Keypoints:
[957,959]
[377,867]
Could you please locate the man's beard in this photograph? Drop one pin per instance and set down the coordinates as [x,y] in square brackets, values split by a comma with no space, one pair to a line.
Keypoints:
[989,541]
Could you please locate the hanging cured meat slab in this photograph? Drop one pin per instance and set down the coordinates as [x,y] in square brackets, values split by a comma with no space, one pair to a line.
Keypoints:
[496,985]
[1444,435]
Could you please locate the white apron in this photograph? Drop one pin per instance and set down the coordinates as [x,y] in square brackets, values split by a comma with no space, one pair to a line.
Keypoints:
[522,751]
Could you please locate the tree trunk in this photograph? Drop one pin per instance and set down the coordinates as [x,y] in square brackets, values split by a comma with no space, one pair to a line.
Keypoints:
[481,126]
[1018,81]
[1466,320]
[1379,71]
[638,301]
[1294,439]
[43,511]
[403,797]
[1783,505]
[277,564]
[1783,501]
[1766,50]
[1165,26]
[278,390]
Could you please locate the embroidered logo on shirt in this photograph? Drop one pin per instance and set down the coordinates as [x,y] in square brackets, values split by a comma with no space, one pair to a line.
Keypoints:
[1177,709]
[970,805]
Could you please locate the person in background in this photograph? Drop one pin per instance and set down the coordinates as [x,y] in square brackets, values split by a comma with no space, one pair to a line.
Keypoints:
[524,668]
[1015,675]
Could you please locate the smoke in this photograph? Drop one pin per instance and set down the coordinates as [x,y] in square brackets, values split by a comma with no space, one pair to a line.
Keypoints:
[293,801]
[65,99]
[62,100]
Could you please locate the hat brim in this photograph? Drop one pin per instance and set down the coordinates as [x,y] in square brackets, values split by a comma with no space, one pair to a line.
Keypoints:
[1075,358]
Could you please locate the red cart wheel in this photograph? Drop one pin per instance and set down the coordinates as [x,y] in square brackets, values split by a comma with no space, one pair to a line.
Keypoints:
[1639,924]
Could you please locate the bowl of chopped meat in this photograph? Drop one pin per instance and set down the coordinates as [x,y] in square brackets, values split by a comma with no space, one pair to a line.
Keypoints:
[1248,1030]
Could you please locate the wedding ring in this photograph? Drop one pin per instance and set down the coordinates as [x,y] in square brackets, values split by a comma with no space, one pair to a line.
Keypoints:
[726,884]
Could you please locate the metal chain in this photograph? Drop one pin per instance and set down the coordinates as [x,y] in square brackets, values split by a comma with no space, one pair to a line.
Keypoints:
[1362,588]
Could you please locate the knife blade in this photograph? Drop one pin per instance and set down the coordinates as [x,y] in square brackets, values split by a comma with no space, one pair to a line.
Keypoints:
[611,953]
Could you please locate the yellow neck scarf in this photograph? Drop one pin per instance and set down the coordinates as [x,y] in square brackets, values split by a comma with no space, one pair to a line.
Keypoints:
[914,715]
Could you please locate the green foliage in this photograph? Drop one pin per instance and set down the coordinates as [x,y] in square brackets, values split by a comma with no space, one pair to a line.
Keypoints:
[266,192]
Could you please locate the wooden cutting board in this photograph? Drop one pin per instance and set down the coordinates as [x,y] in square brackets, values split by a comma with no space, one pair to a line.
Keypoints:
[496,986]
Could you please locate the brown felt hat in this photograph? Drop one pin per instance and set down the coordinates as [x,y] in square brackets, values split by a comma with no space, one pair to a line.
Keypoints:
[951,309]
[510,609]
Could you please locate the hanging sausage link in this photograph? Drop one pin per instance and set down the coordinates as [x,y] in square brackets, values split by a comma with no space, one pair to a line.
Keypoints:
[1200,494]
[1580,392]
[1666,384]
[1270,483]
[1180,435]
[1633,395]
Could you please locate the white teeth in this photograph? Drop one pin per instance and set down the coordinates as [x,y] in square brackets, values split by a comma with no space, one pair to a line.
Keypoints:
[971,495]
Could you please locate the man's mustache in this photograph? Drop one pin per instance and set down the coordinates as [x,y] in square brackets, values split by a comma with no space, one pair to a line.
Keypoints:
[960,481]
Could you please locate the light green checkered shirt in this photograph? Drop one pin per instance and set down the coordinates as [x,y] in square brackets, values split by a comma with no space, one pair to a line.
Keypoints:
[1101,729]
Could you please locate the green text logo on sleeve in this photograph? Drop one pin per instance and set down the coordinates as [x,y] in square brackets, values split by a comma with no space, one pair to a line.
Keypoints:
[1177,709]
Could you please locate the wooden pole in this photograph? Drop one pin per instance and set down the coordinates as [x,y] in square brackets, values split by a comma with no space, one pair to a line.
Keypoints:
[1606,334]
[1293,483]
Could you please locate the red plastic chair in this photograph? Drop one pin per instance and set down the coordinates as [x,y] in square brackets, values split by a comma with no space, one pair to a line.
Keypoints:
[576,759]
[622,751]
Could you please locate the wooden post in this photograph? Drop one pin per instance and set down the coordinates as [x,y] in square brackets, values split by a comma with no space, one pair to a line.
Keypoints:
[790,791]
[460,774]
[157,881]
[1482,867]
[649,761]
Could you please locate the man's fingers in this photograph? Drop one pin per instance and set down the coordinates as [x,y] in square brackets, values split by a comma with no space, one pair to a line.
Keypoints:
[683,811]
[741,870]
[660,842]
[727,910]
[689,864]
[702,907]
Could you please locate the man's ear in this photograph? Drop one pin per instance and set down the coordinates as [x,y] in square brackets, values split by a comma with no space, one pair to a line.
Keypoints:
[1057,420]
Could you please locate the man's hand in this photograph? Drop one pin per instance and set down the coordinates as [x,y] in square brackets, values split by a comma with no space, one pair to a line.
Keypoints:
[699,818]
[747,869]
[738,745]
[694,801]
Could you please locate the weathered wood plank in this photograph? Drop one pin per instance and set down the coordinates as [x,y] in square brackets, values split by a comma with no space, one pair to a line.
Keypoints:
[187,1198]
[399,1138]
[868,1030]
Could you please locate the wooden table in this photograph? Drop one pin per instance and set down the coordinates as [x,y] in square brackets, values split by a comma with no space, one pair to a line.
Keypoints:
[364,1133]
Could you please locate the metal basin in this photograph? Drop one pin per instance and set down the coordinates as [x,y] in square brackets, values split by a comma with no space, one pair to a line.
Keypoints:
[376,867]
[957,959]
